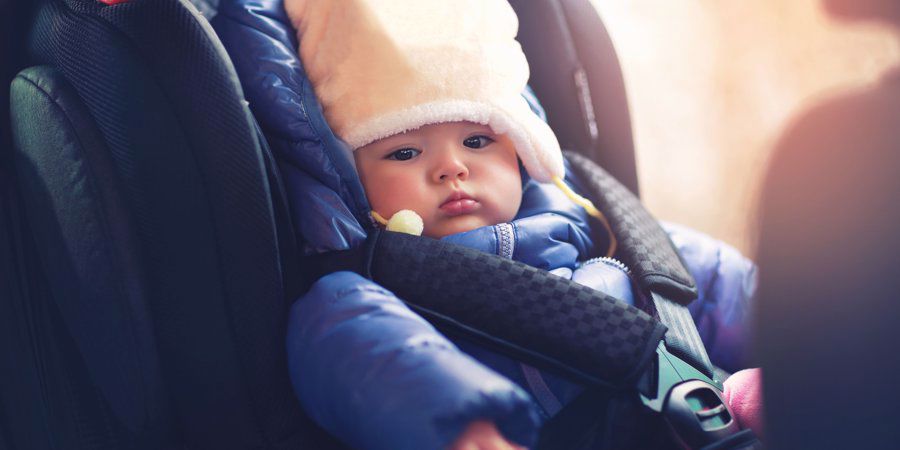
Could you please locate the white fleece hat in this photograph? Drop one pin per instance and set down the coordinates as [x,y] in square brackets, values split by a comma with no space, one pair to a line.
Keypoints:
[383,67]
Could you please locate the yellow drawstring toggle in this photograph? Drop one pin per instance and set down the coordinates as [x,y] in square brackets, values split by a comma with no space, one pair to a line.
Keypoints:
[379,219]
[403,221]
[591,210]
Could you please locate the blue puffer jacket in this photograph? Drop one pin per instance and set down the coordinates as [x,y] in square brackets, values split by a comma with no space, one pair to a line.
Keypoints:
[363,365]
[374,373]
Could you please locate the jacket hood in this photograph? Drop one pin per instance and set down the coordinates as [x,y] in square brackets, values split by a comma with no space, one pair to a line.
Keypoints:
[328,203]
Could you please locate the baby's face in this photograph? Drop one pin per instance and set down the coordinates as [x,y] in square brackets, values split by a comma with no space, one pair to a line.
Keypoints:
[457,176]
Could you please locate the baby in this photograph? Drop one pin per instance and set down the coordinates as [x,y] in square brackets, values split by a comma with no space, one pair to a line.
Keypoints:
[427,94]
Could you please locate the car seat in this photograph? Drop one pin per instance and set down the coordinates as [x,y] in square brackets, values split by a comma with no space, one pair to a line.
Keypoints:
[149,238]
[147,302]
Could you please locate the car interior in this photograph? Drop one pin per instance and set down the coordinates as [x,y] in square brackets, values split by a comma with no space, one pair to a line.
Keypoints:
[147,253]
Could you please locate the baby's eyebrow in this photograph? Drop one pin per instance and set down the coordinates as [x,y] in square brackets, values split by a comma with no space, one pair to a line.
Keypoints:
[394,148]
[484,129]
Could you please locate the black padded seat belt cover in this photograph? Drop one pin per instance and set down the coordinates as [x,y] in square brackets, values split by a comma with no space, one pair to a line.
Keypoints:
[655,264]
[536,316]
[643,245]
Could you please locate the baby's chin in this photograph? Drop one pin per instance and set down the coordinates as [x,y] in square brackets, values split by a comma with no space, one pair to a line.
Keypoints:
[455,225]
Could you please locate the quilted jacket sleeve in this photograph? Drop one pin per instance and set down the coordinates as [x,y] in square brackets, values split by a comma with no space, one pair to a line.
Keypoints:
[378,376]
[726,282]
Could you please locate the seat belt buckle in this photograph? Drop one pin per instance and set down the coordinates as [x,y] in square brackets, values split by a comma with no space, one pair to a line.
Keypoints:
[690,402]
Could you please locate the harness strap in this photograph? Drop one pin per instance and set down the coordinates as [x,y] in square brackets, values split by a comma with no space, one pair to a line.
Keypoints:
[681,377]
[535,316]
[655,264]
[682,338]
[643,245]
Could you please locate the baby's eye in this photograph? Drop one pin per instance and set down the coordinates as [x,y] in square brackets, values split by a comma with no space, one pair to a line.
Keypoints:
[477,141]
[404,154]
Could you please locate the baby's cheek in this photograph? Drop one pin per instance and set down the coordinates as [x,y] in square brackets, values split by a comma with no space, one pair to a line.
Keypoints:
[509,203]
[387,196]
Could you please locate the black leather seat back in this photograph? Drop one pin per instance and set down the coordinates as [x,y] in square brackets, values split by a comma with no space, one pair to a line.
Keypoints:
[153,302]
[575,72]
[85,303]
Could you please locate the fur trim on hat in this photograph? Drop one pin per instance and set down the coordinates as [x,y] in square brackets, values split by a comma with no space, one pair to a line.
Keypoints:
[382,67]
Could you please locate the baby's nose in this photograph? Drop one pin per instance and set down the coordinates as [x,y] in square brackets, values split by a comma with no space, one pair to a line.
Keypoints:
[461,174]
[451,168]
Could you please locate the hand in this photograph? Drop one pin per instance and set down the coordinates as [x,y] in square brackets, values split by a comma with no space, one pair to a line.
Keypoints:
[482,435]
[743,392]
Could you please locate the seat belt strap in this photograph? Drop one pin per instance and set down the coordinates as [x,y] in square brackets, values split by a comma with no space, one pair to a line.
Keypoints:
[682,338]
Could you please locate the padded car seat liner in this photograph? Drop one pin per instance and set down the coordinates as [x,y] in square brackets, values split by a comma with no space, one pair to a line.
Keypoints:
[186,163]
[87,245]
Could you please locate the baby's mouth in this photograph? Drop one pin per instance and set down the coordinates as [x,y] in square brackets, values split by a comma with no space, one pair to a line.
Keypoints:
[459,203]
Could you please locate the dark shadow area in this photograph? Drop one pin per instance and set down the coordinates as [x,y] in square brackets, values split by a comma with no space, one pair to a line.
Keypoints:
[829,258]
[14,17]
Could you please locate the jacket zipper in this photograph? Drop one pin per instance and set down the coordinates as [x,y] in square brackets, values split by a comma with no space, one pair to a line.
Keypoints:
[608,260]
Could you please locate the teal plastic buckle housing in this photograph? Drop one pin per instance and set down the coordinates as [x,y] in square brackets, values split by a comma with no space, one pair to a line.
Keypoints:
[671,371]
[690,402]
